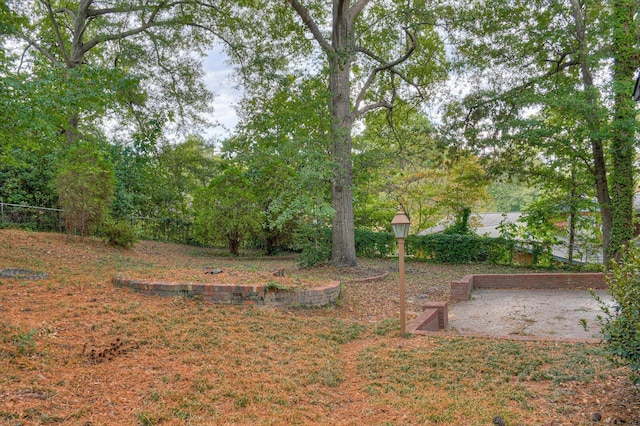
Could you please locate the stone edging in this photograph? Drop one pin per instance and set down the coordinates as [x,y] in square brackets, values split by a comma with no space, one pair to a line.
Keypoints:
[232,294]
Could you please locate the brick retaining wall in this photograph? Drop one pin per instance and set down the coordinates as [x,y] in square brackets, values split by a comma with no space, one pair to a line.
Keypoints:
[461,289]
[238,294]
[435,314]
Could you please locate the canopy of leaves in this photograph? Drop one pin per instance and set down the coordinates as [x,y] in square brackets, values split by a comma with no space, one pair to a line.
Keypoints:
[227,210]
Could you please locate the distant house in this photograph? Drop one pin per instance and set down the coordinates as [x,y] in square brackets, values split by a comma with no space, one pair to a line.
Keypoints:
[485,224]
[488,225]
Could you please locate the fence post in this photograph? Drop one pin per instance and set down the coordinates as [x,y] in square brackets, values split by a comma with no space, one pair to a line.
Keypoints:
[1,212]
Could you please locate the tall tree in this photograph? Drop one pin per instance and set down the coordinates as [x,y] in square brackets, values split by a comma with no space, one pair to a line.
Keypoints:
[527,55]
[281,143]
[373,52]
[129,53]
[626,59]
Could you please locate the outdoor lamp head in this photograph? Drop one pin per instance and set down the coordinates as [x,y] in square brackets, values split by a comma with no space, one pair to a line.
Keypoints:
[400,224]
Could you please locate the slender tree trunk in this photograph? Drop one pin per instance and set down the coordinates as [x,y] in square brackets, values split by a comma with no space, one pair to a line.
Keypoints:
[573,214]
[343,251]
[595,135]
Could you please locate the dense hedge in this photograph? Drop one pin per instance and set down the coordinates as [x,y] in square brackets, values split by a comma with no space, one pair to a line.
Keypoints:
[461,248]
[444,248]
[374,244]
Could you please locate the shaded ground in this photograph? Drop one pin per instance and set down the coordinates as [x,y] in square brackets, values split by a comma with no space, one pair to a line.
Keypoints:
[76,350]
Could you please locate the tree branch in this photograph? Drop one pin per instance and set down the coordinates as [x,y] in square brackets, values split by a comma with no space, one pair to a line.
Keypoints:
[357,8]
[303,13]
[66,10]
[525,85]
[56,29]
[385,66]
[161,6]
[43,51]
[371,107]
[150,23]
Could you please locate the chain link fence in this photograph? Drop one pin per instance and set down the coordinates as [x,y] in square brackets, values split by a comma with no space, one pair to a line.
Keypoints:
[31,217]
[163,229]
[51,220]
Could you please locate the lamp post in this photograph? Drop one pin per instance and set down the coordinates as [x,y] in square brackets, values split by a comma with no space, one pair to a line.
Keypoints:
[400,225]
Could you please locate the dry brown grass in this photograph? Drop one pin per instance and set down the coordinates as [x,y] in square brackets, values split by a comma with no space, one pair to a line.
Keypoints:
[76,350]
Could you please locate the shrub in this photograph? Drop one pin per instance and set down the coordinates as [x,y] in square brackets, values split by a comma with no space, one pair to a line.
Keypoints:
[119,234]
[374,244]
[85,183]
[448,248]
[227,211]
[621,322]
[314,244]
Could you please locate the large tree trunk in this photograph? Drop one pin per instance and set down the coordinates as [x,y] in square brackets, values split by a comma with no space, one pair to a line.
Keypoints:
[623,126]
[343,251]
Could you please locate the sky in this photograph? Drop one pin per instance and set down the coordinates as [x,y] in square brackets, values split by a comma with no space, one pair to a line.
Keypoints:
[218,80]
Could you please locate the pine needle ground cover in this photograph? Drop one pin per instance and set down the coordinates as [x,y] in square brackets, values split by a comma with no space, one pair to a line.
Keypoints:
[76,350]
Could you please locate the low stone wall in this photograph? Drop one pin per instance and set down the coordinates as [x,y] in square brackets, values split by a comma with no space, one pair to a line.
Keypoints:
[461,289]
[238,294]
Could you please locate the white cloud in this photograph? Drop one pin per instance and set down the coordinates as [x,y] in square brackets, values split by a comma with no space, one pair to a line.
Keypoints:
[217,78]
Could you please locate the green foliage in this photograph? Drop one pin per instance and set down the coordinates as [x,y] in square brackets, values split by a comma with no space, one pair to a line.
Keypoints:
[552,123]
[84,184]
[281,143]
[165,229]
[449,248]
[27,178]
[314,244]
[135,181]
[226,211]
[510,196]
[621,322]
[119,234]
[180,171]
[461,224]
[374,244]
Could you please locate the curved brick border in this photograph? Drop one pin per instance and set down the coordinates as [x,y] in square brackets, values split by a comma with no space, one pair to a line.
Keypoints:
[275,258]
[232,294]
[369,279]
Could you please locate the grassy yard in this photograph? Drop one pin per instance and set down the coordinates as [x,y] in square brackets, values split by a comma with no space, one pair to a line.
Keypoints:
[76,350]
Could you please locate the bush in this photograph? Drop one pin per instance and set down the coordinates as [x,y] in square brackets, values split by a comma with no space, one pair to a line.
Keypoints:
[314,244]
[85,184]
[621,323]
[227,211]
[119,234]
[447,248]
[374,244]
